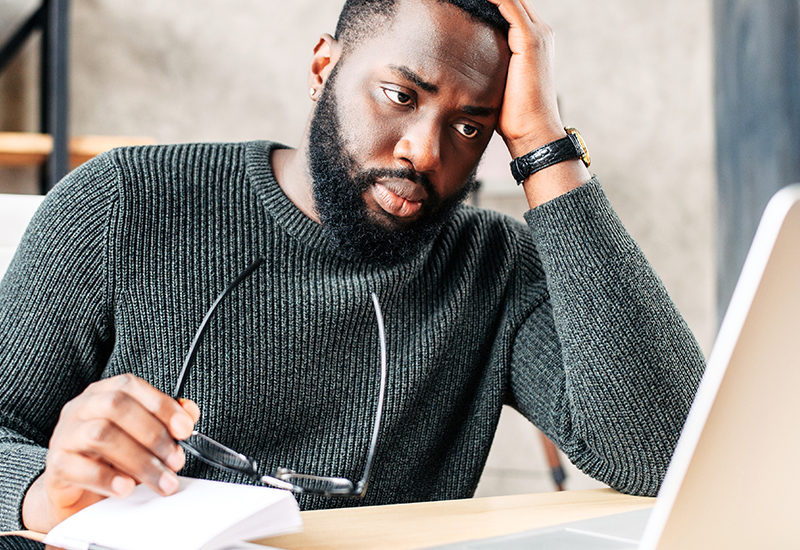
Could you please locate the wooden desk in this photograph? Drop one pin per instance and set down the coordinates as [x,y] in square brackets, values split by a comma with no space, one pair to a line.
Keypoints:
[432,523]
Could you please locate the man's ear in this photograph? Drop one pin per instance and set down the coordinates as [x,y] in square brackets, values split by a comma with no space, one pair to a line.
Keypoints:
[326,55]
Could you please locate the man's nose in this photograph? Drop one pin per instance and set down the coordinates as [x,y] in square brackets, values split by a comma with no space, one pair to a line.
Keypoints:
[420,145]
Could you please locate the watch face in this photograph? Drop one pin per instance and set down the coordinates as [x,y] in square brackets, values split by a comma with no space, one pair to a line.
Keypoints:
[587,160]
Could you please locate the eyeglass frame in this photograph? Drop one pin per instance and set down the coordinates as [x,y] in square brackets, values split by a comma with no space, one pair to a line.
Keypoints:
[343,488]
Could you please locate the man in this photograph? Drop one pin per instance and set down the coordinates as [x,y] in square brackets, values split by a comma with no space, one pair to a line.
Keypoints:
[562,318]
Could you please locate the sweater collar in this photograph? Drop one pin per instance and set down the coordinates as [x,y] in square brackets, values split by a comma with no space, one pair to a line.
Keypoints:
[259,169]
[285,212]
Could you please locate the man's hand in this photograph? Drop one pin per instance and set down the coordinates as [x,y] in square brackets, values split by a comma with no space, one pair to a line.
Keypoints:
[117,433]
[529,118]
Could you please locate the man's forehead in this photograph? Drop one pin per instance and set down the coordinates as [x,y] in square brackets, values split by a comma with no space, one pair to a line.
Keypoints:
[429,36]
[433,25]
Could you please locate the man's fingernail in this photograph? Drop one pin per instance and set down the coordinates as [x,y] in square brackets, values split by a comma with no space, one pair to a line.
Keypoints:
[168,483]
[122,486]
[176,459]
[181,425]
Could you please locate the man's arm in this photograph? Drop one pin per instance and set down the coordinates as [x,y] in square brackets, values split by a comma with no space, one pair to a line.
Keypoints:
[67,439]
[607,367]
[529,118]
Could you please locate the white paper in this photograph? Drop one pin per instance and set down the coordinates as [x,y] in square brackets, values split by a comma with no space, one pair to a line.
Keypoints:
[203,514]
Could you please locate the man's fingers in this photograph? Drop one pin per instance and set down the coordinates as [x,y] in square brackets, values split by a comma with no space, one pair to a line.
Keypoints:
[130,416]
[177,420]
[527,32]
[67,469]
[529,117]
[513,12]
[530,10]
[190,407]
[104,441]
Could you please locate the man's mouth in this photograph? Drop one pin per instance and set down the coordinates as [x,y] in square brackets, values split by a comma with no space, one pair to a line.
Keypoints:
[400,198]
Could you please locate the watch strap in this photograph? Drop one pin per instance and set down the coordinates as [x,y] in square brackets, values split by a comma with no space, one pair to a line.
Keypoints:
[566,148]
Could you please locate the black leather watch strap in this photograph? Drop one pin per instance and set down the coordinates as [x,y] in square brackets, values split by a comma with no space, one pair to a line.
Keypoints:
[567,148]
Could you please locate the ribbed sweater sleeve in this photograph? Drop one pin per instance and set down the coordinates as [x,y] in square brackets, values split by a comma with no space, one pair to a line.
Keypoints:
[55,331]
[607,367]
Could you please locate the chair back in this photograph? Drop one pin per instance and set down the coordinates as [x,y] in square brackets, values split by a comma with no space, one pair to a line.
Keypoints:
[15,213]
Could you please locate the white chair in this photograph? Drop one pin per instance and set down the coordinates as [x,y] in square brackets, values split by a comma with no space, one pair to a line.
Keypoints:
[15,213]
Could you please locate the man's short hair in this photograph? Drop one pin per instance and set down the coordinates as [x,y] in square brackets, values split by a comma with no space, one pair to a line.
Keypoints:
[359,18]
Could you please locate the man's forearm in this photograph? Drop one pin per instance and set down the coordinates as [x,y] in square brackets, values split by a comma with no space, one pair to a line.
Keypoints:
[630,364]
[554,181]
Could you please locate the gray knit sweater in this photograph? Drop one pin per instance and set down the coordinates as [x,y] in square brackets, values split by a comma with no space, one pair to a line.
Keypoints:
[563,319]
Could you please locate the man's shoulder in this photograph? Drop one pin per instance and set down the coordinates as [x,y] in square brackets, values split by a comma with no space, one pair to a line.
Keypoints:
[158,160]
[154,169]
[181,153]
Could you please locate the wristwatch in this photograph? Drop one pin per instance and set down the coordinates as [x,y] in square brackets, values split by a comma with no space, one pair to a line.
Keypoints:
[568,148]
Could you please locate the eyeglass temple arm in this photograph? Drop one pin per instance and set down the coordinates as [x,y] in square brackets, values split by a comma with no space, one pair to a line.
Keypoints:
[361,486]
[189,359]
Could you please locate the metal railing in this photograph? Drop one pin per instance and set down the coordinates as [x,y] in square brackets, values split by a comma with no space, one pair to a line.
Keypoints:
[51,18]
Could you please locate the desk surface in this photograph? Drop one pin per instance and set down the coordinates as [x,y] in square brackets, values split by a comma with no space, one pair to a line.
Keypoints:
[431,523]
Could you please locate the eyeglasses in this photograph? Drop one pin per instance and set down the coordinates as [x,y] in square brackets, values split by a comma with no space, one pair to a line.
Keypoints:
[220,456]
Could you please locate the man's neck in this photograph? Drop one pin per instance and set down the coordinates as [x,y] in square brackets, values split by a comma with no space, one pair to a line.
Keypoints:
[291,172]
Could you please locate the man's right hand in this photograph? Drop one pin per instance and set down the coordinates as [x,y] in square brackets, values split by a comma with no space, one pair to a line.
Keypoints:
[119,432]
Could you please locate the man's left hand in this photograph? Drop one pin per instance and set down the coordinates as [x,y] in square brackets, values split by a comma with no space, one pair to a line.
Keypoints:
[529,118]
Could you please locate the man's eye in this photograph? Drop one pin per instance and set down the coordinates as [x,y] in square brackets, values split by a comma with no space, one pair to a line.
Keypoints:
[398,97]
[467,130]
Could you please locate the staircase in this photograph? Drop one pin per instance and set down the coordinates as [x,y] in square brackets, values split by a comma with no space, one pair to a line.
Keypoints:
[53,148]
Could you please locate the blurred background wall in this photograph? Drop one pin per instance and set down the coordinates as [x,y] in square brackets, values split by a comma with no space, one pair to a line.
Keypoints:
[635,77]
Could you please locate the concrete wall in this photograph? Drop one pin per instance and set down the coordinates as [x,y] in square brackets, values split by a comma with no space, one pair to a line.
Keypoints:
[634,76]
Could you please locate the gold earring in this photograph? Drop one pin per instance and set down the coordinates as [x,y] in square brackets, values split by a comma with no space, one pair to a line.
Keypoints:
[312,92]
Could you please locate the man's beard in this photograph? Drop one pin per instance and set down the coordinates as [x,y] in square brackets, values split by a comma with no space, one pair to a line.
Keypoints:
[339,184]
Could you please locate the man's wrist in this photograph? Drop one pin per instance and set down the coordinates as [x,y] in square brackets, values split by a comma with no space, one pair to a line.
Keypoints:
[554,181]
[530,142]
[34,511]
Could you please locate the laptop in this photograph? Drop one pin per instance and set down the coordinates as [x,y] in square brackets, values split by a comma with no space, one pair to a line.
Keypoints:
[734,479]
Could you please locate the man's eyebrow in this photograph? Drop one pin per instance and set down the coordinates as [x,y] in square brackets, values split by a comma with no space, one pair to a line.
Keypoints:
[479,111]
[415,78]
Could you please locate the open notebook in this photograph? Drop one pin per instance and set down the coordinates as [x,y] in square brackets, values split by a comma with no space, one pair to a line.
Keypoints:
[207,515]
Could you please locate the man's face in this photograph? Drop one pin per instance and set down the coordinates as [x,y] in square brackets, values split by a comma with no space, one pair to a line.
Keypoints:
[400,127]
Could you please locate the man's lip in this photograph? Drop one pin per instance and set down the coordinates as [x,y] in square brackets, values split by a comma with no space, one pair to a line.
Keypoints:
[393,202]
[405,189]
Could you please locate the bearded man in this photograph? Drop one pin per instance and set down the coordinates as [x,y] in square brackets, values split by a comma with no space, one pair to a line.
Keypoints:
[561,318]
